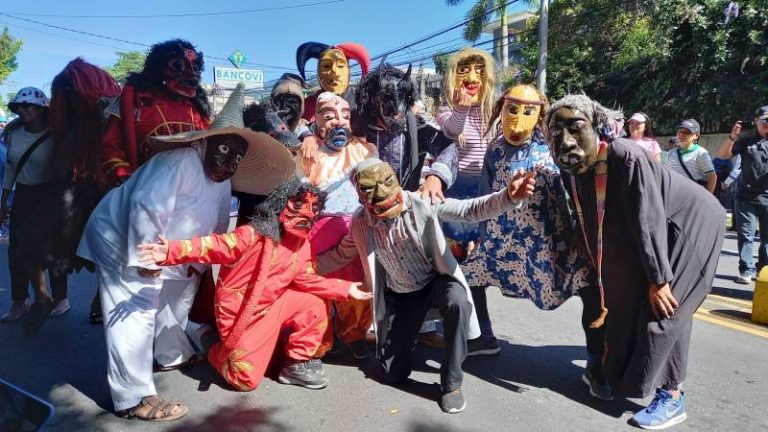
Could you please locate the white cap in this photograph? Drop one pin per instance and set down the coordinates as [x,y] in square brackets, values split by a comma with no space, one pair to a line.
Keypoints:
[639,117]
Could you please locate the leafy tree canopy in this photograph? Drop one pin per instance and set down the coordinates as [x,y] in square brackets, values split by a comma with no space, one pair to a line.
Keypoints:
[672,60]
[9,48]
[127,62]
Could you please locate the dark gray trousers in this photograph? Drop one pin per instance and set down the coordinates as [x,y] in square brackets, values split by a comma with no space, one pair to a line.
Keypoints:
[408,312]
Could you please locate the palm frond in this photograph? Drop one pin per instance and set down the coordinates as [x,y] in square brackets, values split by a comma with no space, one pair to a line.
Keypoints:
[478,17]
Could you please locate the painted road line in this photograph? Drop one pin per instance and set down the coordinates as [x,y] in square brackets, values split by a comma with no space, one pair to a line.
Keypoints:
[732,300]
[734,324]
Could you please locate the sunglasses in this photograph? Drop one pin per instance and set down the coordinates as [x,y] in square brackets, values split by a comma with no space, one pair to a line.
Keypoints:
[764,121]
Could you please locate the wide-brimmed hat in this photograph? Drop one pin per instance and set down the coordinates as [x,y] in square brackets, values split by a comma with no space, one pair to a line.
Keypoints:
[266,164]
[28,95]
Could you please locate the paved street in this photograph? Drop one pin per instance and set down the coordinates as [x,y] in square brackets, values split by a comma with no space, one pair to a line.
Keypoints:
[533,385]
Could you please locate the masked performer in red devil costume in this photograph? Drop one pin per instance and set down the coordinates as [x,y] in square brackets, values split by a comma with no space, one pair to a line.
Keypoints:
[332,69]
[165,98]
[268,284]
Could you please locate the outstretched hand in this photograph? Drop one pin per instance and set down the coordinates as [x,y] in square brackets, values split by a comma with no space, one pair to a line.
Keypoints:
[663,302]
[522,185]
[153,253]
[432,188]
[356,293]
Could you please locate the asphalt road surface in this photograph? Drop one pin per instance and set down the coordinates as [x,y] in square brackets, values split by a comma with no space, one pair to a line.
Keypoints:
[533,385]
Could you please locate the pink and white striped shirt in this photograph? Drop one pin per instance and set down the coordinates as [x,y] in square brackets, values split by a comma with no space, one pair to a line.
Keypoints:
[467,121]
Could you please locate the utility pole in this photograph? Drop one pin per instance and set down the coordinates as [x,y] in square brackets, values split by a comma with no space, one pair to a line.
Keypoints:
[541,71]
[422,83]
[504,35]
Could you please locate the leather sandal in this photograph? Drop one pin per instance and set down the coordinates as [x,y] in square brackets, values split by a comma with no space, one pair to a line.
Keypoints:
[154,409]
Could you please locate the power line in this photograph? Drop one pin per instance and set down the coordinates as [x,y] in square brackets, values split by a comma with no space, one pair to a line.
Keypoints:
[125,41]
[183,15]
[392,51]
[60,36]
[443,31]
[358,74]
[435,33]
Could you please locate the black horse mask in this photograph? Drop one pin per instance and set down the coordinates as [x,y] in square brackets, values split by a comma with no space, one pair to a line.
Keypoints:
[385,96]
[264,118]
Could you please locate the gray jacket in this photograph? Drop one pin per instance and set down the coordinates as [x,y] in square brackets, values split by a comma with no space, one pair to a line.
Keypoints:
[422,220]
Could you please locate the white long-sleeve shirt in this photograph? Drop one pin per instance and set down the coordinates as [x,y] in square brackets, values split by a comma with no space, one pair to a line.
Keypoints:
[169,195]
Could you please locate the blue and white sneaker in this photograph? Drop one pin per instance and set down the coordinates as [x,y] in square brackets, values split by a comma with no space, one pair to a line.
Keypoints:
[663,412]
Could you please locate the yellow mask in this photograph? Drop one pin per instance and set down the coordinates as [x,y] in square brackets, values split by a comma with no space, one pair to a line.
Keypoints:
[333,71]
[470,74]
[520,114]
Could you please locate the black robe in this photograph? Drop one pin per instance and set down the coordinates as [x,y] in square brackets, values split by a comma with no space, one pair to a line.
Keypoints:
[659,227]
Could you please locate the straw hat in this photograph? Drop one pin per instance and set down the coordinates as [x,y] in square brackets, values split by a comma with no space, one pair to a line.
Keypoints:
[266,164]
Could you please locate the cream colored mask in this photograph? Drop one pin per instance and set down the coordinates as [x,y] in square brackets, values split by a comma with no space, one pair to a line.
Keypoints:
[470,75]
[333,71]
[520,114]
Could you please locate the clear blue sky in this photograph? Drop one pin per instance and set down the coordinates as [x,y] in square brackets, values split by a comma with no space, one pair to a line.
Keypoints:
[268,37]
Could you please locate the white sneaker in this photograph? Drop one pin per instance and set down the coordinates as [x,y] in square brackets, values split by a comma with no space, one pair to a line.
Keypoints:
[745,278]
[17,311]
[59,307]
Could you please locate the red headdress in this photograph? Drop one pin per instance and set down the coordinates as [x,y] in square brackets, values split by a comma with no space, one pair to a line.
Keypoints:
[79,93]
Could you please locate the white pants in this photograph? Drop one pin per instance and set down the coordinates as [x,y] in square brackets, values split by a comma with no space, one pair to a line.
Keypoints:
[141,314]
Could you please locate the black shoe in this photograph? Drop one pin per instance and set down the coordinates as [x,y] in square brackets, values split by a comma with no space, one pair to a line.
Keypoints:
[95,316]
[453,402]
[598,388]
[308,374]
[483,346]
[360,350]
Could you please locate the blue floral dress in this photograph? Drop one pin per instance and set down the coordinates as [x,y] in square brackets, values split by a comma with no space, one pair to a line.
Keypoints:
[527,252]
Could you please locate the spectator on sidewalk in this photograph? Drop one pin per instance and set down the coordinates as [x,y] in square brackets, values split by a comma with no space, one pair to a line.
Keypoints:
[29,167]
[641,133]
[751,206]
[689,159]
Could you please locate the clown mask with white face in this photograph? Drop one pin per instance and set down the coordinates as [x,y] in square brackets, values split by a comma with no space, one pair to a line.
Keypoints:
[332,118]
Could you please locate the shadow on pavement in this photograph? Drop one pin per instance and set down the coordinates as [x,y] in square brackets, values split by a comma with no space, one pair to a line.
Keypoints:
[205,375]
[66,351]
[233,418]
[549,367]
[431,426]
[733,292]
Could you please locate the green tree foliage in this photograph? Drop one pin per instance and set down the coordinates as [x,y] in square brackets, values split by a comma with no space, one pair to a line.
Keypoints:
[670,59]
[9,48]
[127,62]
[441,62]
